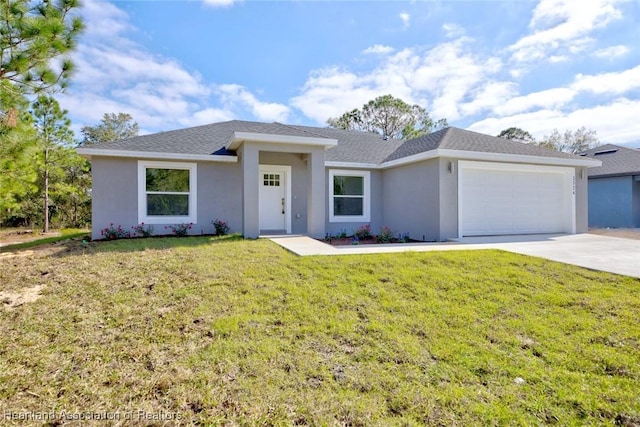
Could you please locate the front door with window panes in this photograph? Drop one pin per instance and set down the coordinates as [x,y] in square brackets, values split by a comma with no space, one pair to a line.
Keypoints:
[272,202]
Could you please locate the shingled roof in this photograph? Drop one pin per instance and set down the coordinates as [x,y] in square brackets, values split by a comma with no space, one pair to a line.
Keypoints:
[353,146]
[206,139]
[616,161]
[463,140]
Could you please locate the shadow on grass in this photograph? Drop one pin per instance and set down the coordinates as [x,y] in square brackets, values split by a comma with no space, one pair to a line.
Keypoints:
[84,235]
[142,243]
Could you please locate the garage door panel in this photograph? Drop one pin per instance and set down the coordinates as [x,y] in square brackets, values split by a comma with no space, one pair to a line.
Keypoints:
[513,199]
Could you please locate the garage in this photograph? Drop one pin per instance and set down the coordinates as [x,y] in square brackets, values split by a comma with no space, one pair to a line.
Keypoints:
[509,198]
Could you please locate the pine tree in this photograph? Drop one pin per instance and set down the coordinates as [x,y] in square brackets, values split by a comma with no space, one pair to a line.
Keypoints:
[390,117]
[54,135]
[32,34]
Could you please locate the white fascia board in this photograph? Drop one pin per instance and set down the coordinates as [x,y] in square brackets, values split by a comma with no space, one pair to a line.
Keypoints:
[517,158]
[239,137]
[352,165]
[89,152]
[491,157]
[411,159]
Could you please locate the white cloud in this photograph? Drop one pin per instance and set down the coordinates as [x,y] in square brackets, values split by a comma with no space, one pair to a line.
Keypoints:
[378,49]
[205,116]
[220,3]
[116,74]
[444,79]
[489,97]
[561,25]
[615,122]
[453,30]
[547,99]
[611,52]
[609,83]
[234,95]
[406,19]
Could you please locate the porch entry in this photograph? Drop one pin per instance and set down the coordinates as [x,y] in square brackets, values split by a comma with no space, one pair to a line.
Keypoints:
[274,198]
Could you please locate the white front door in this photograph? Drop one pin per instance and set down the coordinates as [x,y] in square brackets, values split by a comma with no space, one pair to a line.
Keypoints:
[274,198]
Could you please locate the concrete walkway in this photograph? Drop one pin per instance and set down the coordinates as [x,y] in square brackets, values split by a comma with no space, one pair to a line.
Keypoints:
[612,254]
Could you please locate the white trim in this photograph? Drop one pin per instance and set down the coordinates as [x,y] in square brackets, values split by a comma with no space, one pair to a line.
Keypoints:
[287,182]
[491,157]
[569,183]
[518,158]
[427,155]
[352,165]
[88,152]
[142,193]
[366,199]
[239,137]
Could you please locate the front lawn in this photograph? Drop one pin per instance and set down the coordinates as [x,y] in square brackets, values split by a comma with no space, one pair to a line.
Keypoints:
[226,331]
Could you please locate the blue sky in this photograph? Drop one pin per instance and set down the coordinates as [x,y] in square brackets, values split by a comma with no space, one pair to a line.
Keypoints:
[482,65]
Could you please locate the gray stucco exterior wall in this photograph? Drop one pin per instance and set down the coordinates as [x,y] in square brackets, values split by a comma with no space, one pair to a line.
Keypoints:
[219,189]
[411,203]
[582,200]
[611,202]
[115,195]
[448,198]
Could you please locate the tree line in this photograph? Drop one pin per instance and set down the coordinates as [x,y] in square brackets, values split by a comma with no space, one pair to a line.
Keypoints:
[43,181]
[393,118]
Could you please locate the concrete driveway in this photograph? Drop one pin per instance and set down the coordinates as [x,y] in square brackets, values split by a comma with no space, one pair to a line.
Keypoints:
[604,253]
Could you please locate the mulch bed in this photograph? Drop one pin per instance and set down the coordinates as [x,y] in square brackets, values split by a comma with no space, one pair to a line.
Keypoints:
[348,241]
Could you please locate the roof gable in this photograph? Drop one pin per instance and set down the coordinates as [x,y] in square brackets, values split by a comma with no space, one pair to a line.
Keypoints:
[463,140]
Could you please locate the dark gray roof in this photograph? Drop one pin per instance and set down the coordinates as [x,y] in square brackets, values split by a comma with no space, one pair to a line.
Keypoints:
[463,140]
[205,139]
[616,161]
[353,146]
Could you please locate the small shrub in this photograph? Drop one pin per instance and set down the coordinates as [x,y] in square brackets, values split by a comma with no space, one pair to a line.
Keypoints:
[112,232]
[180,230]
[222,228]
[363,232]
[141,230]
[342,234]
[385,235]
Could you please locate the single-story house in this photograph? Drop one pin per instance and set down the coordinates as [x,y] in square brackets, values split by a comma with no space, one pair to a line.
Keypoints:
[265,178]
[614,187]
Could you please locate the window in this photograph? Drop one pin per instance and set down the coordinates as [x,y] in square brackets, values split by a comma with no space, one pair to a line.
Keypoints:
[349,194]
[166,192]
[271,180]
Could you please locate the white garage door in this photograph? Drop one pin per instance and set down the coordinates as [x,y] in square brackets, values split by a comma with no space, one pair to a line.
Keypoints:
[505,198]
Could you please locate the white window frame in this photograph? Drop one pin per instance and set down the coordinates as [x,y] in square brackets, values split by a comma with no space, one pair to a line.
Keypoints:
[366,202]
[142,193]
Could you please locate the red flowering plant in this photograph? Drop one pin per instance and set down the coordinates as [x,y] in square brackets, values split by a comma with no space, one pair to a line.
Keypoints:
[141,230]
[112,232]
[221,227]
[363,232]
[385,235]
[180,230]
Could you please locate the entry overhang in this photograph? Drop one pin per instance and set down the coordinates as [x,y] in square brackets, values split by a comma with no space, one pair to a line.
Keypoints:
[239,137]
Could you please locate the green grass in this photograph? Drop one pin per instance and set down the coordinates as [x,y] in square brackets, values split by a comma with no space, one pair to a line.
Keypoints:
[227,331]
